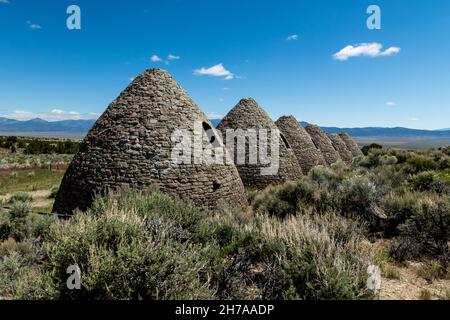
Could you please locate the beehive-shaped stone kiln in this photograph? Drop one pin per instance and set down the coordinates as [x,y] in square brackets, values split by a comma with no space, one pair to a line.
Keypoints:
[352,146]
[247,114]
[131,145]
[323,143]
[341,148]
[306,152]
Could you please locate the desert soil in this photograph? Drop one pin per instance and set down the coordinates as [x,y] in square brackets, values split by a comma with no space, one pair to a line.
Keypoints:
[410,285]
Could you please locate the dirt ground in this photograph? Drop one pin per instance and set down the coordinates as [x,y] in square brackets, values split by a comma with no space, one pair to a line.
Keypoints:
[410,286]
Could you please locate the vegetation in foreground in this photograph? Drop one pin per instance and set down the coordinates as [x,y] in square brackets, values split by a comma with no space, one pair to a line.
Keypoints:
[309,239]
[146,245]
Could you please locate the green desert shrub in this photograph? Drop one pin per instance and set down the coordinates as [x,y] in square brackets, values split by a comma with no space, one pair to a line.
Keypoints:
[446,150]
[425,295]
[388,160]
[386,178]
[135,269]
[402,155]
[445,175]
[293,198]
[307,256]
[391,272]
[18,213]
[430,181]
[18,266]
[20,197]
[128,252]
[39,225]
[251,194]
[365,150]
[444,163]
[153,204]
[374,158]
[431,271]
[21,224]
[423,181]
[357,197]
[19,210]
[360,162]
[54,192]
[244,261]
[398,208]
[419,163]
[426,233]
[323,176]
[5,226]
[281,201]
[324,259]
[325,189]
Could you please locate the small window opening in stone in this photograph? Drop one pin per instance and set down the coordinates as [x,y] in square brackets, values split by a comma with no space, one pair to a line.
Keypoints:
[286,143]
[216,186]
[315,145]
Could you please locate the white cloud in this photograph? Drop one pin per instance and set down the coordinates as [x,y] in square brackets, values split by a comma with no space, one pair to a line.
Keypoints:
[173,57]
[225,89]
[4,1]
[155,58]
[53,115]
[170,57]
[33,26]
[214,115]
[414,119]
[391,51]
[365,49]
[215,71]
[293,37]
[391,104]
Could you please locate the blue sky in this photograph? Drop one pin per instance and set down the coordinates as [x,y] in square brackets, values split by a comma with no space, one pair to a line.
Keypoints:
[279,52]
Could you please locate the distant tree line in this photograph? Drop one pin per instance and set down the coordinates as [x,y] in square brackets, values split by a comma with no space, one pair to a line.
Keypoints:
[39,146]
[445,150]
[366,149]
[7,142]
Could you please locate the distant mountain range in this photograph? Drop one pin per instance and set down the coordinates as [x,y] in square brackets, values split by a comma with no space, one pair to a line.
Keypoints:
[385,132]
[40,127]
[377,131]
[79,128]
